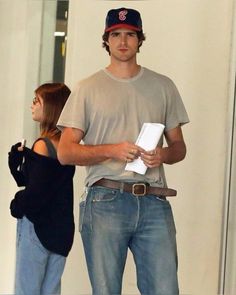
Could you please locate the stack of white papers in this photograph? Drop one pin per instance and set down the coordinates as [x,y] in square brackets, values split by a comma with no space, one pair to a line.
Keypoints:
[148,139]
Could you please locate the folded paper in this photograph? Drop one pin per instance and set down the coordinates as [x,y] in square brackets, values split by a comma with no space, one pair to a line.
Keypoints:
[148,139]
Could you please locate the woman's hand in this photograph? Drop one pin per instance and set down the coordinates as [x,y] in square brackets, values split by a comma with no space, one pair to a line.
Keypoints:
[15,156]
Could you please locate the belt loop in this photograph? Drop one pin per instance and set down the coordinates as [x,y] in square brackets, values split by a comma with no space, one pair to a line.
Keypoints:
[122,187]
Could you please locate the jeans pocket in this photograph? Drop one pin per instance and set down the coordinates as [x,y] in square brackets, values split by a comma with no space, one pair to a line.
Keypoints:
[35,241]
[104,195]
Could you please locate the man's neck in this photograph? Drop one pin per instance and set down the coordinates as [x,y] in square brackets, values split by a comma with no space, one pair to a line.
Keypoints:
[124,70]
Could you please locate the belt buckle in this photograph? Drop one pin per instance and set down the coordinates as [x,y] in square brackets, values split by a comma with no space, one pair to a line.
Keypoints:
[135,185]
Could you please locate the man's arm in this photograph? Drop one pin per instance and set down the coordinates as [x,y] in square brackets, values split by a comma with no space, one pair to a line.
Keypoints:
[71,151]
[173,153]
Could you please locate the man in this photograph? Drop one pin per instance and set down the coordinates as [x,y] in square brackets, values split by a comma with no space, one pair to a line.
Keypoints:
[120,209]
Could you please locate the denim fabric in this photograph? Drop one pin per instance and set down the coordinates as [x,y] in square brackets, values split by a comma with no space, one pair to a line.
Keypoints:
[38,271]
[111,222]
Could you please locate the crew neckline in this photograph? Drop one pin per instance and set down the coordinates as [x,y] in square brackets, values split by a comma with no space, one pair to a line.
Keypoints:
[134,78]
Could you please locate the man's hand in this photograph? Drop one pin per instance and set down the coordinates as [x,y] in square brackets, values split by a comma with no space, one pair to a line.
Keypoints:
[153,158]
[173,153]
[126,151]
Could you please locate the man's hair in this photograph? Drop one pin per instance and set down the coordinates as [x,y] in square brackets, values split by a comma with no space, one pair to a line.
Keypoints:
[105,36]
[54,96]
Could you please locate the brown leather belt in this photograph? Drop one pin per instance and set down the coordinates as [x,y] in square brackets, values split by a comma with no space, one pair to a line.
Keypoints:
[138,189]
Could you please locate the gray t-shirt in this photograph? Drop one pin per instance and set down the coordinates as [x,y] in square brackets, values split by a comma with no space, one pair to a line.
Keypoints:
[112,110]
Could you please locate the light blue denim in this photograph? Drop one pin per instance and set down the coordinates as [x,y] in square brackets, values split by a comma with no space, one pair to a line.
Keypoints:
[38,271]
[111,222]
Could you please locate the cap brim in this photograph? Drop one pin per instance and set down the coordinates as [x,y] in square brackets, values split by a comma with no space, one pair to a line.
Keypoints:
[126,26]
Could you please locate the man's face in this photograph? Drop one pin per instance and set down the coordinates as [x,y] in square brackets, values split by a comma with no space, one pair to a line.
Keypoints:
[123,44]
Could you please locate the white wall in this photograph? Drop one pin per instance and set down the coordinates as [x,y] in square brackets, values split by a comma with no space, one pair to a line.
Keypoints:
[190,42]
[20,55]
[13,76]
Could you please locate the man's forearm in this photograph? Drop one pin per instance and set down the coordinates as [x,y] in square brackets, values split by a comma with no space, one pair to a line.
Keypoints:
[84,155]
[174,153]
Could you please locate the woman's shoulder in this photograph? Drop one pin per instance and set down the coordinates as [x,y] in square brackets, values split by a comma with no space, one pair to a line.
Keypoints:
[40,147]
[46,147]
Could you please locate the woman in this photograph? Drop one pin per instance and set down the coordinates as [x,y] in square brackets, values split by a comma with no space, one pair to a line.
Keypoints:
[44,208]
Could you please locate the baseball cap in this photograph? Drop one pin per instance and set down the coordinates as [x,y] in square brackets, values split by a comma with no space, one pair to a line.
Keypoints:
[123,18]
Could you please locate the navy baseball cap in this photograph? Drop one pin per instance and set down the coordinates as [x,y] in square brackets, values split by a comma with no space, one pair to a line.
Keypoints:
[123,18]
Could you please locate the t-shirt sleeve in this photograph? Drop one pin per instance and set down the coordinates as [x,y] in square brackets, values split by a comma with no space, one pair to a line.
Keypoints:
[74,112]
[176,114]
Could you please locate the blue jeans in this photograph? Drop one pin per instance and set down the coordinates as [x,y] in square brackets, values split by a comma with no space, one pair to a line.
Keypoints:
[38,271]
[111,221]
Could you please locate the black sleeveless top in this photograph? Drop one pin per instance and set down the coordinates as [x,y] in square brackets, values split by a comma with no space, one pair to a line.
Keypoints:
[47,200]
